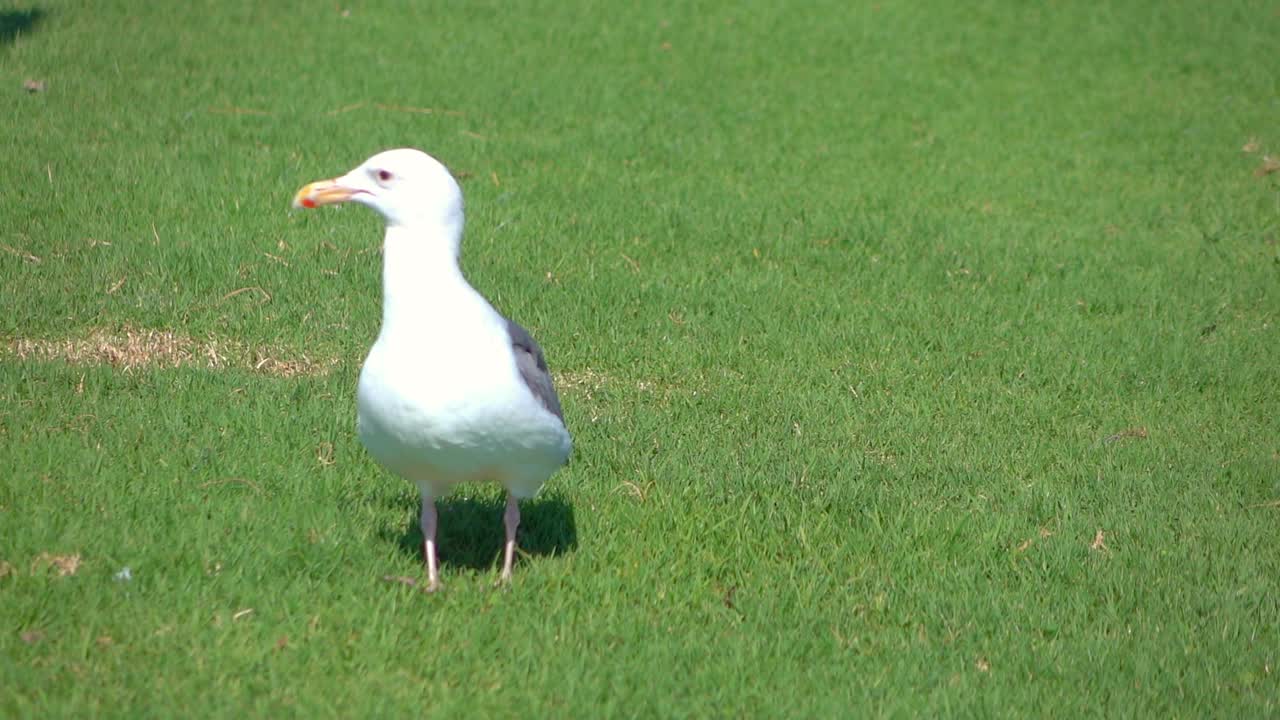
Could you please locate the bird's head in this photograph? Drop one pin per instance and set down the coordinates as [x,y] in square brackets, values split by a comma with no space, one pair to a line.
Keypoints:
[405,186]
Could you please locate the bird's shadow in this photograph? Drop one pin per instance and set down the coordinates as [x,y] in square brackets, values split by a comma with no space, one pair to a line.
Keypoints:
[14,23]
[470,533]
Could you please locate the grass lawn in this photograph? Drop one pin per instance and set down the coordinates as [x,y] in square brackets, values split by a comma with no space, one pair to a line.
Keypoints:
[921,359]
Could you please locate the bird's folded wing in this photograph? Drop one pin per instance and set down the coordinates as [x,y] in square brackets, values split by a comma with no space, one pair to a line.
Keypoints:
[533,368]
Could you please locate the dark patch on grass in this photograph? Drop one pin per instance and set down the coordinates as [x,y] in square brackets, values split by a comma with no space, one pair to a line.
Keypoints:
[470,533]
[14,23]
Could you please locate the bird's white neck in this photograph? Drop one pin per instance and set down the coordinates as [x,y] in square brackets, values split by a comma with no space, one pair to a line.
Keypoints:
[420,273]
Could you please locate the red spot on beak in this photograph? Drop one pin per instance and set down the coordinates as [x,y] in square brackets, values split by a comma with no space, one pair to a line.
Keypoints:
[308,203]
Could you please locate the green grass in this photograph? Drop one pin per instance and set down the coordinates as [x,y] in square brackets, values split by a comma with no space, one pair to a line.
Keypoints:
[869,317]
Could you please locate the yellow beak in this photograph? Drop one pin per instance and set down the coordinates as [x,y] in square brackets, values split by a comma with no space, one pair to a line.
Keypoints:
[322,192]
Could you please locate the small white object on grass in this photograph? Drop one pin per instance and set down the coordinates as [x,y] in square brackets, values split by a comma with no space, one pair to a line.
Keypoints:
[125,574]
[451,391]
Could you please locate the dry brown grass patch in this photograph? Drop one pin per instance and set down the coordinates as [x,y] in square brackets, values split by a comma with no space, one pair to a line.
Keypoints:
[584,381]
[63,565]
[587,381]
[1133,433]
[132,349]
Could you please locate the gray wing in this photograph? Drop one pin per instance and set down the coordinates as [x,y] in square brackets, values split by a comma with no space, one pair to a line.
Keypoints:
[533,368]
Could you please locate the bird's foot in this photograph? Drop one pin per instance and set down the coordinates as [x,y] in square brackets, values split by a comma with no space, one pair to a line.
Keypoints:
[504,581]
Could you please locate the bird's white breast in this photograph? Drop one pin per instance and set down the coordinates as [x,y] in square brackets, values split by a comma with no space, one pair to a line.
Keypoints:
[440,416]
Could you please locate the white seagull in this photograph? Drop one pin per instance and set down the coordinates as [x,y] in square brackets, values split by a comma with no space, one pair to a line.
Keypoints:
[451,391]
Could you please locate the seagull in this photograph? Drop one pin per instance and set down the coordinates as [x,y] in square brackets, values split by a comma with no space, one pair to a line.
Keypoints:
[451,391]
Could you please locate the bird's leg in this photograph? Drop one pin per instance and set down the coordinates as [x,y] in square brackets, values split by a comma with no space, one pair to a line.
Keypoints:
[429,544]
[511,518]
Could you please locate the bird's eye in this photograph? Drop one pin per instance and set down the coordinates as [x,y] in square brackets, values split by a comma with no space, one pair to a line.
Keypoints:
[384,176]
